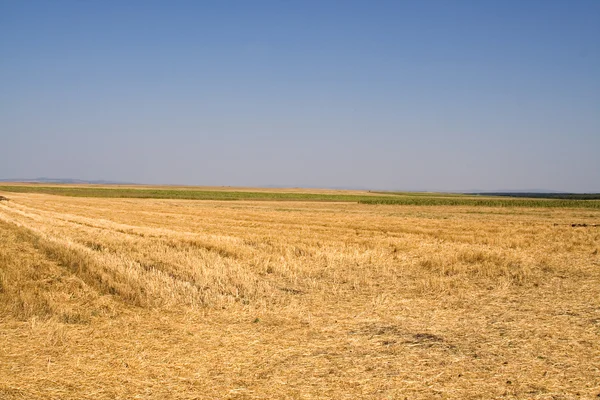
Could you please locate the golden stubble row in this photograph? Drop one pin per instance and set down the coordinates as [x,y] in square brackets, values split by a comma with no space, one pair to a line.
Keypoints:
[163,253]
[124,298]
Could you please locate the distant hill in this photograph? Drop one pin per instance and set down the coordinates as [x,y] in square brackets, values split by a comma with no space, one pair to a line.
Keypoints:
[68,181]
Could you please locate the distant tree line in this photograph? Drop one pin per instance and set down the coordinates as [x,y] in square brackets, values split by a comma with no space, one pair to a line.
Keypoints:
[563,196]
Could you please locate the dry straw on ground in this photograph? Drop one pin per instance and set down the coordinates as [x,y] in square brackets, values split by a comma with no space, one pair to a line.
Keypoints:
[142,298]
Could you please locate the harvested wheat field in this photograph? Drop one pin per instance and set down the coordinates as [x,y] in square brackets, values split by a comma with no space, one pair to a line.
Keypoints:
[104,298]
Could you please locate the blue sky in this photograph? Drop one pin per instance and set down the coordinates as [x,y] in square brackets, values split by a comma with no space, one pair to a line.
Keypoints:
[412,95]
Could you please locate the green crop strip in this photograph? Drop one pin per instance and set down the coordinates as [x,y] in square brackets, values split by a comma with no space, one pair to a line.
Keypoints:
[415,199]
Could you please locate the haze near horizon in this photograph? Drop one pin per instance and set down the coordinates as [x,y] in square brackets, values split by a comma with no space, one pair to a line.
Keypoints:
[431,95]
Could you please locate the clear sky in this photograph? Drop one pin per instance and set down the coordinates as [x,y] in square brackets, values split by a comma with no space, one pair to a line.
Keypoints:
[413,95]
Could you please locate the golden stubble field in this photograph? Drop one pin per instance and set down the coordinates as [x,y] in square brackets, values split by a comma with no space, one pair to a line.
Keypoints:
[140,298]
